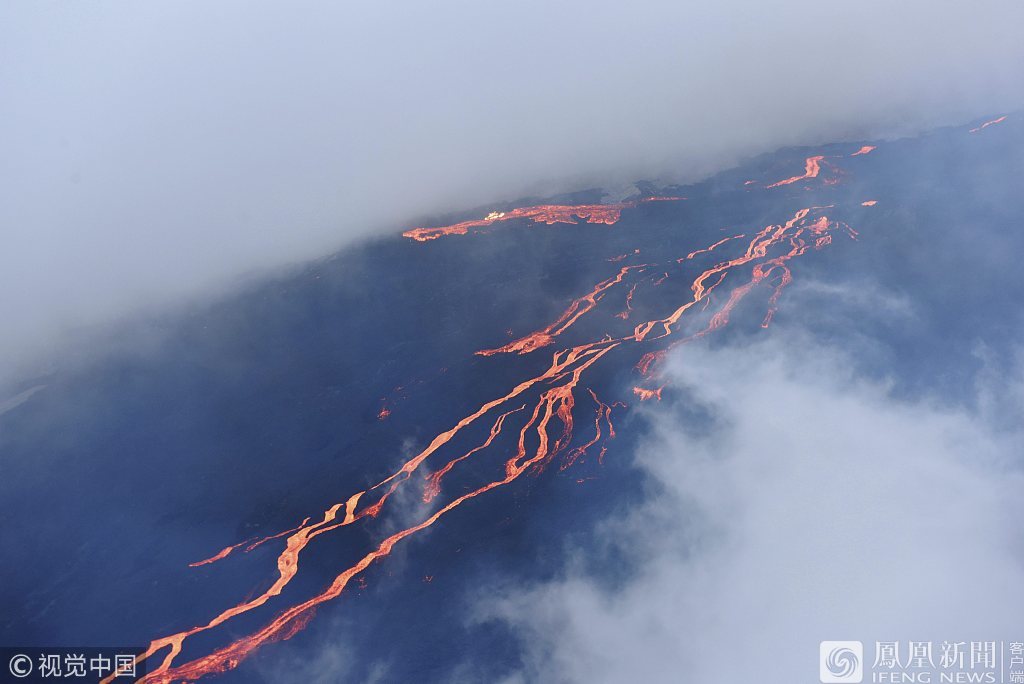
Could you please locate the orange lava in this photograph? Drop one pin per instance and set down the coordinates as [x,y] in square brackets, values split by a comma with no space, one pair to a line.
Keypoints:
[544,428]
[704,284]
[624,314]
[709,249]
[223,553]
[793,233]
[812,167]
[864,150]
[645,394]
[249,544]
[554,403]
[869,203]
[433,486]
[987,124]
[577,308]
[550,214]
[623,256]
[603,412]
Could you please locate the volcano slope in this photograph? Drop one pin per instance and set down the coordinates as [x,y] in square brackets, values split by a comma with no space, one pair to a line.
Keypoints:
[312,477]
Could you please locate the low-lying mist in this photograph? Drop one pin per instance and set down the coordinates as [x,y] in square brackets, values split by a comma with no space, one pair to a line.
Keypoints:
[157,153]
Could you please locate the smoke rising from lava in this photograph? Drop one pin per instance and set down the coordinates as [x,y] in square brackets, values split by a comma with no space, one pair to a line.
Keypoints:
[159,152]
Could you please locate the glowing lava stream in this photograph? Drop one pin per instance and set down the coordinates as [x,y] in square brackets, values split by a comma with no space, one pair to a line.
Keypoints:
[812,167]
[252,544]
[645,394]
[758,248]
[555,402]
[604,411]
[433,486]
[582,356]
[624,314]
[553,405]
[709,249]
[987,124]
[544,213]
[577,308]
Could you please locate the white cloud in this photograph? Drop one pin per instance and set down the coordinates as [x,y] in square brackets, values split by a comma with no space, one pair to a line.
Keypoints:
[157,151]
[813,507]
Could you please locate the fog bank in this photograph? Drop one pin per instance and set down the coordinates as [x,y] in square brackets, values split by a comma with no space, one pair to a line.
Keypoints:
[160,151]
[808,506]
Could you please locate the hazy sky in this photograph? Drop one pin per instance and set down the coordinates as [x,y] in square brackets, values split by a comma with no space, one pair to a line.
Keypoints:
[154,152]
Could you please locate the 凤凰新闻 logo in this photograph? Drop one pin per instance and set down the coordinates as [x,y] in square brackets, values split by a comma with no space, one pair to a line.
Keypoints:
[841,662]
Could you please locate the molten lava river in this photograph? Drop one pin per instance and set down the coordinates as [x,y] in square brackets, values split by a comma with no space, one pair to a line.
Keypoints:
[547,420]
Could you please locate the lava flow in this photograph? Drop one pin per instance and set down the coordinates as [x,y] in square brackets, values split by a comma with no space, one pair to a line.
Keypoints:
[705,250]
[249,544]
[987,124]
[604,412]
[433,486]
[812,167]
[531,424]
[624,314]
[577,308]
[645,394]
[550,214]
